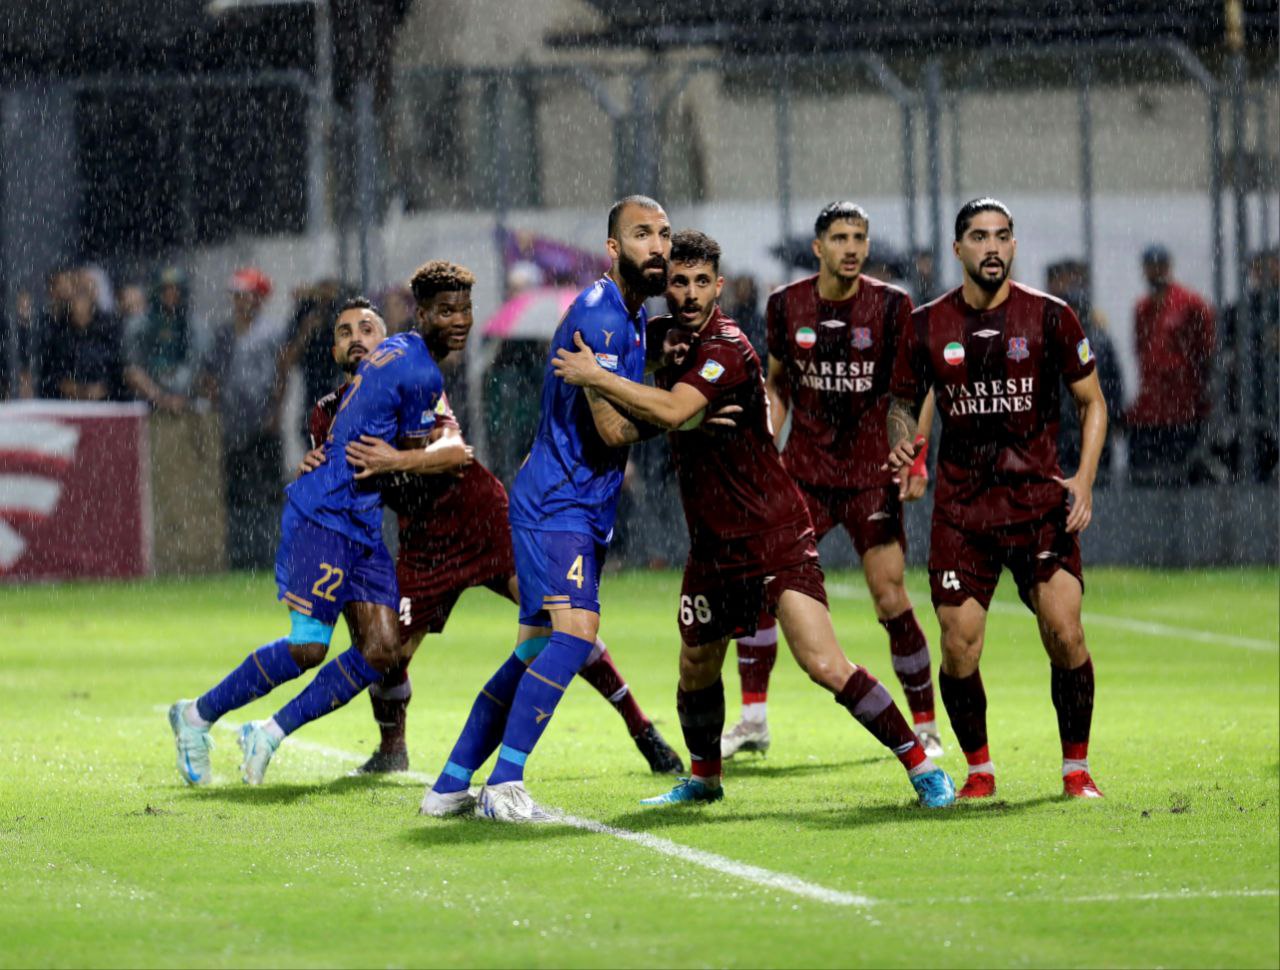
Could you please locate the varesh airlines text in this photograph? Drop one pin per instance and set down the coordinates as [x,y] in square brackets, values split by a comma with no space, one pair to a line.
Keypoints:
[1011,396]
[852,375]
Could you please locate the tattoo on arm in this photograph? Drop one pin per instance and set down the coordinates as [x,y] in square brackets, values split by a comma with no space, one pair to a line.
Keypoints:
[902,421]
[615,428]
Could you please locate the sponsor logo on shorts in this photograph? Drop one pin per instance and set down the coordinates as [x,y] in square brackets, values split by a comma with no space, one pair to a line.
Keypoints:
[1084,351]
[953,353]
[1018,348]
[862,337]
[832,324]
[711,371]
[607,361]
[878,516]
[986,333]
[806,337]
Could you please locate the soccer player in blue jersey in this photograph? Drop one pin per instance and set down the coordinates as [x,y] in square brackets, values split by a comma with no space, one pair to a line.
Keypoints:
[331,561]
[562,511]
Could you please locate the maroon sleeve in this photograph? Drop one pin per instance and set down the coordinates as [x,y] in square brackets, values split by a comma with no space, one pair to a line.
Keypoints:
[717,368]
[911,377]
[445,417]
[1070,345]
[775,315]
[318,424]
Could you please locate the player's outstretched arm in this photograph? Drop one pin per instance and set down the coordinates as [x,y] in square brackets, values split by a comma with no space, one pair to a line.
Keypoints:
[1092,406]
[666,409]
[373,456]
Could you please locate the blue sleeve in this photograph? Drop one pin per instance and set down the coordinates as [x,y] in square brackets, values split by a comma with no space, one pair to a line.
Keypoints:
[421,393]
[605,332]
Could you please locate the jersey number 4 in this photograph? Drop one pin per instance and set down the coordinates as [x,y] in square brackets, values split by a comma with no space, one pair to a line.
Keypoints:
[575,572]
[950,580]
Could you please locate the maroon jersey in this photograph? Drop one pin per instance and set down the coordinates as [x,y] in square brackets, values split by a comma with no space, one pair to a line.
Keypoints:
[997,378]
[744,511]
[838,357]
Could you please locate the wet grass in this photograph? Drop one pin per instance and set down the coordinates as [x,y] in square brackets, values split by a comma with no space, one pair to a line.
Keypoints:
[107,860]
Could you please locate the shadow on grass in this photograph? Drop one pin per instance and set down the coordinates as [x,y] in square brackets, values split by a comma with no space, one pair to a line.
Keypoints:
[432,833]
[762,768]
[286,794]
[837,817]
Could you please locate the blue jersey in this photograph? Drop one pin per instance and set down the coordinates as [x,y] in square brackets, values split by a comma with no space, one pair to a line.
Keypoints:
[396,393]
[571,479]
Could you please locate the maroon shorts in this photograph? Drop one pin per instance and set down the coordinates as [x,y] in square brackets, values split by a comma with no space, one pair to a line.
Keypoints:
[715,605]
[964,564]
[871,516]
[467,542]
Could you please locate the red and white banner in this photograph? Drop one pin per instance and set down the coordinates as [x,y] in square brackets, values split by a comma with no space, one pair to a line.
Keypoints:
[75,495]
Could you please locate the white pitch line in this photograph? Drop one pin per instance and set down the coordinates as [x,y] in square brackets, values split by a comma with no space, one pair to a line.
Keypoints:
[1165,896]
[1145,627]
[683,853]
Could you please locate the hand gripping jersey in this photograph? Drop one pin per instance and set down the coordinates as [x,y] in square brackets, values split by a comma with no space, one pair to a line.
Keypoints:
[745,514]
[395,394]
[571,479]
[997,378]
[838,358]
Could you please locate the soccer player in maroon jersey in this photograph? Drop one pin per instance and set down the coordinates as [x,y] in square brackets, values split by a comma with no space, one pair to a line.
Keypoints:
[752,545]
[832,338]
[454,532]
[996,355]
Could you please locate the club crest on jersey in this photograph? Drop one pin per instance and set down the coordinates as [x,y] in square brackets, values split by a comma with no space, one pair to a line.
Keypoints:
[442,405]
[953,353]
[711,371]
[862,337]
[806,337]
[1084,351]
[1018,348]
[607,361]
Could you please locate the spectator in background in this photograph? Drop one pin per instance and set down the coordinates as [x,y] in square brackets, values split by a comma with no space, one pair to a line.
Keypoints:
[309,347]
[1261,408]
[1068,280]
[238,375]
[59,289]
[80,351]
[924,277]
[159,342]
[398,307]
[1174,340]
[16,350]
[741,303]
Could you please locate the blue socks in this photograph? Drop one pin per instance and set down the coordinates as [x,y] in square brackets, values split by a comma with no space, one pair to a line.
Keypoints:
[536,697]
[262,671]
[484,727]
[336,683]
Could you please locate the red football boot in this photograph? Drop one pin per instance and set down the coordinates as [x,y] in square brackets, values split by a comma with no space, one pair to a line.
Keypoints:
[1078,784]
[979,784]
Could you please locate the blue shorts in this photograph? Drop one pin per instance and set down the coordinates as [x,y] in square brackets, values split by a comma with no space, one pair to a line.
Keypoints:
[319,571]
[556,571]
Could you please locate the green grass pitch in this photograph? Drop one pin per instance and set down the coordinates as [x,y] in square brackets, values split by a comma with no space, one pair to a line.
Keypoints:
[106,859]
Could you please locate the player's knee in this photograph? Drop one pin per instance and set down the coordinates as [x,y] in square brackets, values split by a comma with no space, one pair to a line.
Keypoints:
[960,648]
[698,668]
[1065,643]
[382,651]
[308,655]
[890,599]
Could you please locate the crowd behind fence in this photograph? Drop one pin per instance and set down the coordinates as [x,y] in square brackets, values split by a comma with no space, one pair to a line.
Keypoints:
[88,337]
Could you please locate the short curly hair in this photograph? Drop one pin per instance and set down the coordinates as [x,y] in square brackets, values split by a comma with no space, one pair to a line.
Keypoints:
[439,276]
[692,246]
